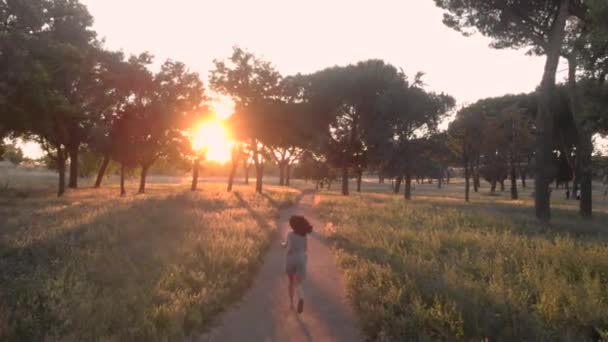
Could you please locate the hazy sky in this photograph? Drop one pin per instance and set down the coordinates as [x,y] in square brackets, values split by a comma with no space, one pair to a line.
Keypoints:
[305,36]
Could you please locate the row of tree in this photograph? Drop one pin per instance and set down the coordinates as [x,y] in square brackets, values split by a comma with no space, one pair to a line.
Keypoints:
[62,88]
[365,116]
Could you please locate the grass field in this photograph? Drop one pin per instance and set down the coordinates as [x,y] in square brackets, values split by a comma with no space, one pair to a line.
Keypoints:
[94,266]
[436,268]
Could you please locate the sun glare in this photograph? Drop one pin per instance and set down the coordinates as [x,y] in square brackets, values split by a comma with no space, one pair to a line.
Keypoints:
[213,137]
[223,107]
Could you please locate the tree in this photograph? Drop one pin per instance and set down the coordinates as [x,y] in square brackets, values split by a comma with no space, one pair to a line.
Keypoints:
[122,79]
[51,46]
[250,82]
[288,131]
[162,113]
[408,116]
[345,102]
[538,25]
[465,140]
[586,44]
[498,133]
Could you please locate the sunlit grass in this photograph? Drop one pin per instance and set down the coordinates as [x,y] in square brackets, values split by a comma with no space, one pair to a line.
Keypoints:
[436,269]
[94,266]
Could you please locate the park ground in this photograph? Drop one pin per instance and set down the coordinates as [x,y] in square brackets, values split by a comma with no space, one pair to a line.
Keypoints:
[162,266]
[94,266]
[437,268]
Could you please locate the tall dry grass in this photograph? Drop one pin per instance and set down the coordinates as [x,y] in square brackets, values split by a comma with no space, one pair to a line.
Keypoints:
[94,266]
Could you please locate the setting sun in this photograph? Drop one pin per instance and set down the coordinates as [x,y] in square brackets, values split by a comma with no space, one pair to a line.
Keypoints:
[213,137]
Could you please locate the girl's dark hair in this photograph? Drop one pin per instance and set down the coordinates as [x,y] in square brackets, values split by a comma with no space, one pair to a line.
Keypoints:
[300,225]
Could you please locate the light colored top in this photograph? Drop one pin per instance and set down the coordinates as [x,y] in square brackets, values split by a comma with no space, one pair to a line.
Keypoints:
[296,244]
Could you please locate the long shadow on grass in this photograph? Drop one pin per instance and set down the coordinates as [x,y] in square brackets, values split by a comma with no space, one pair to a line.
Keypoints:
[256,216]
[271,200]
[42,281]
[564,221]
[484,316]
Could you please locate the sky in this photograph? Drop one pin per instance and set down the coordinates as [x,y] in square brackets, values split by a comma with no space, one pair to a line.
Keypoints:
[306,36]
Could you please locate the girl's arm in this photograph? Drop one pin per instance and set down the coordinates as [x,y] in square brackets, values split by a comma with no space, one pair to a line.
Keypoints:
[284,242]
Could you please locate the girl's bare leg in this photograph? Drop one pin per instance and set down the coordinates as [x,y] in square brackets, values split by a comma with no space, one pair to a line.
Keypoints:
[298,287]
[291,289]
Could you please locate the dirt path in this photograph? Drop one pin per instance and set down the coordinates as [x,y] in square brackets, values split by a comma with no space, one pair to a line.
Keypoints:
[264,313]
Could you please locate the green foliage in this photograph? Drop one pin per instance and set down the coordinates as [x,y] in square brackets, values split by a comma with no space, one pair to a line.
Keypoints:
[429,270]
[88,162]
[513,24]
[365,114]
[250,82]
[12,153]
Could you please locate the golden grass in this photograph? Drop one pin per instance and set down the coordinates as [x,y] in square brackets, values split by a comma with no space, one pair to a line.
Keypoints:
[438,269]
[94,266]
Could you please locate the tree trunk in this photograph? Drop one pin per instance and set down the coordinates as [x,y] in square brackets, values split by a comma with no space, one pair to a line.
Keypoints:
[281,173]
[288,175]
[467,182]
[408,186]
[476,180]
[231,175]
[398,184]
[73,151]
[195,166]
[344,175]
[584,146]
[122,180]
[523,179]
[142,178]
[259,167]
[448,176]
[259,174]
[440,179]
[246,174]
[493,187]
[61,169]
[513,175]
[544,118]
[359,176]
[502,185]
[102,171]
[380,178]
[586,174]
